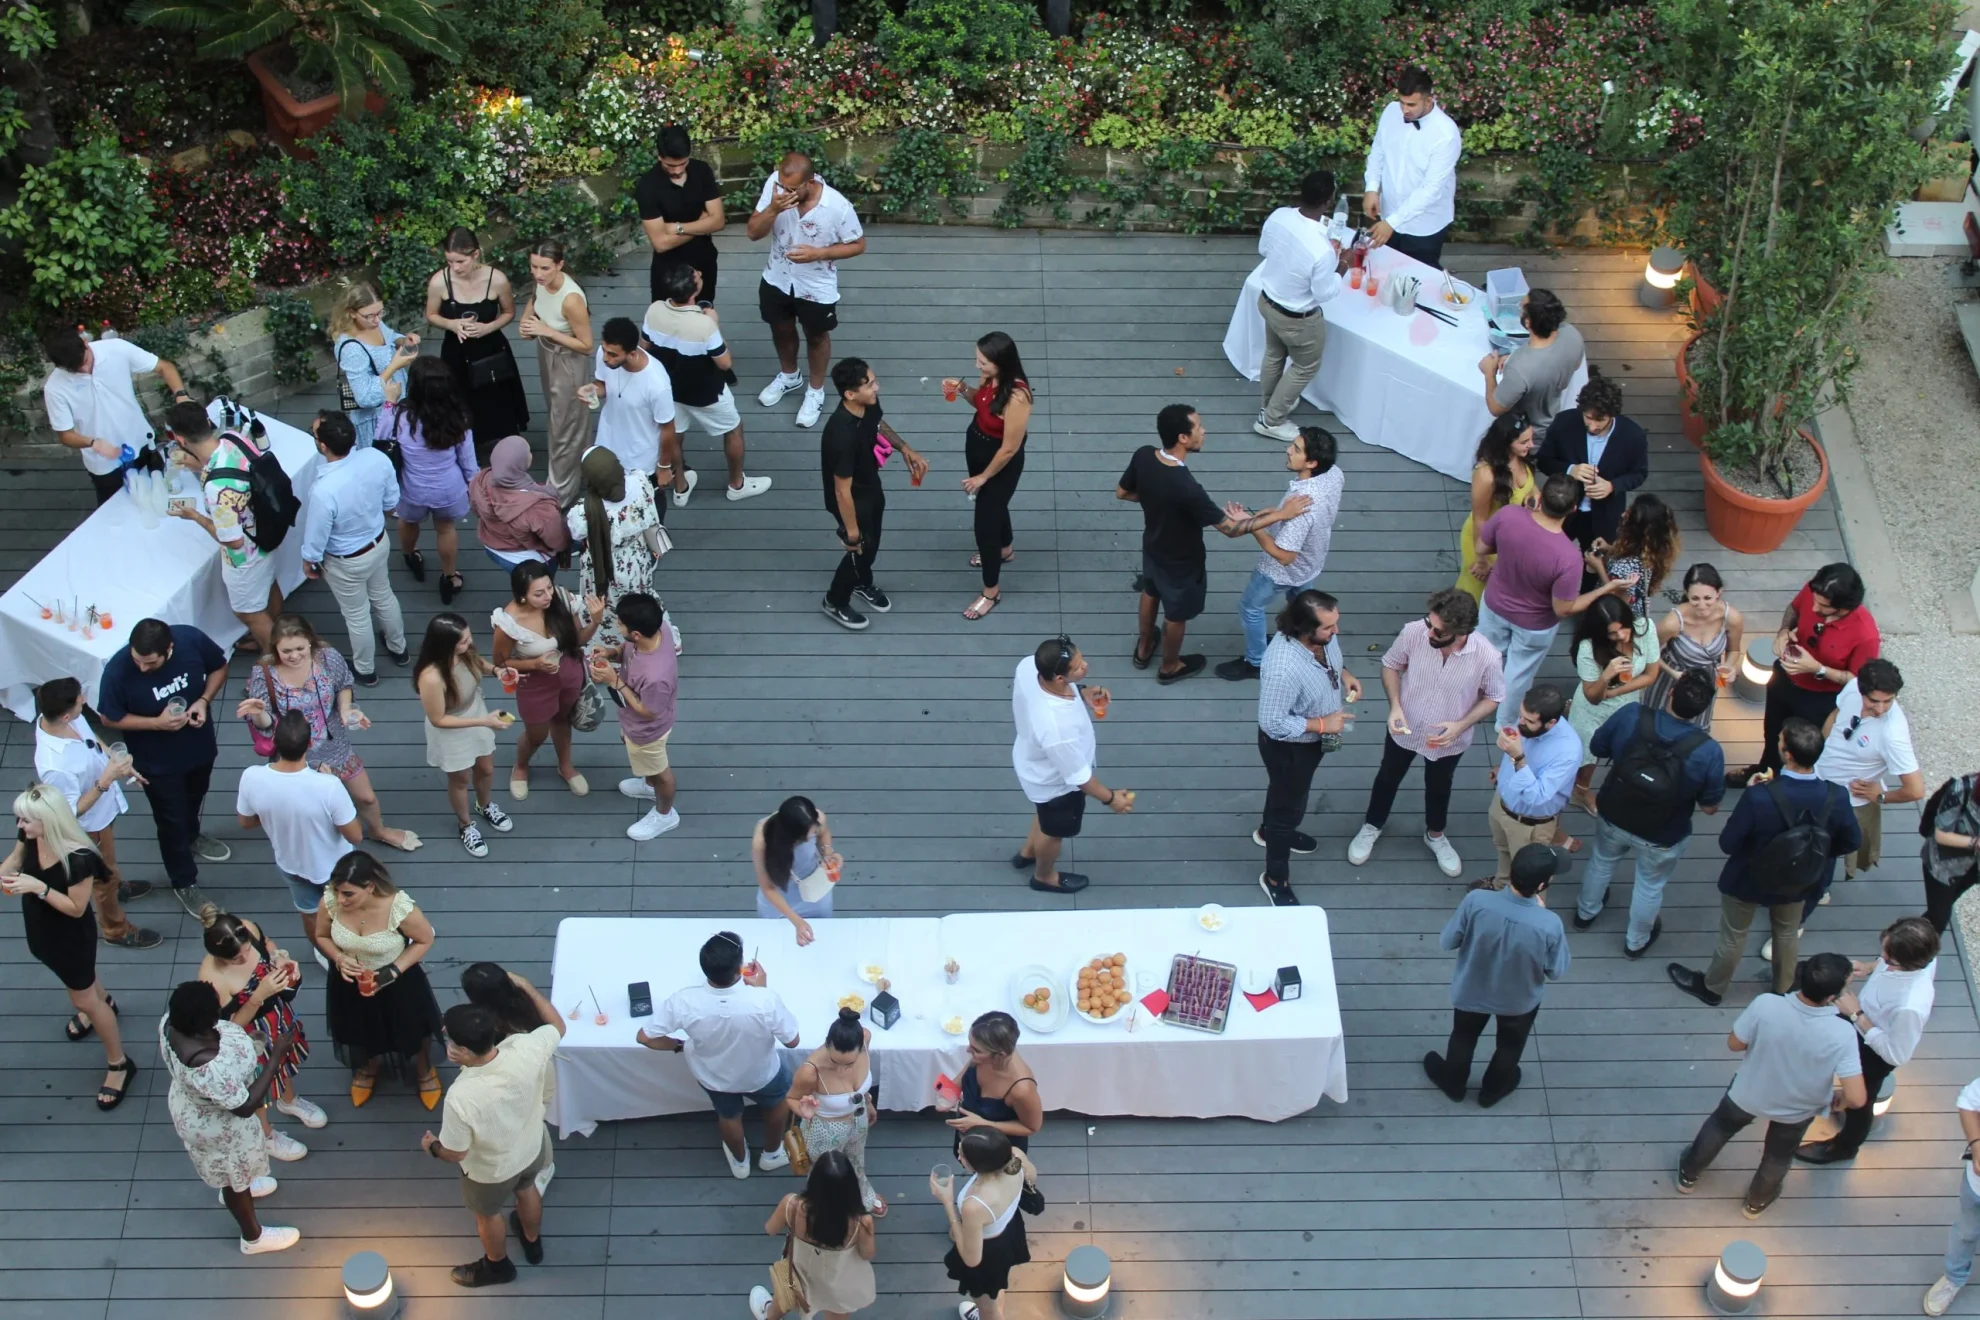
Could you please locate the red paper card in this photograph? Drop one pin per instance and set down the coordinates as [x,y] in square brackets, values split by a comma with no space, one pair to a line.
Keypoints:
[1261,1002]
[1156,1002]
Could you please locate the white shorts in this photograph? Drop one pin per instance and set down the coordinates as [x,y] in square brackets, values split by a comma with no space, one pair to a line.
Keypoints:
[247,586]
[717,418]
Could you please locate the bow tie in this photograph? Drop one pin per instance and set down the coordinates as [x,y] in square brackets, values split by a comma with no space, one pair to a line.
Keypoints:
[1414,123]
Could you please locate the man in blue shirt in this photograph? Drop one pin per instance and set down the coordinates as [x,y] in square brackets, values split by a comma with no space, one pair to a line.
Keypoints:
[1640,810]
[1508,947]
[344,540]
[1745,888]
[1536,772]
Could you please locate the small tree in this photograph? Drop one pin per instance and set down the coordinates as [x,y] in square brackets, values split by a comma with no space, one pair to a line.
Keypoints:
[1806,153]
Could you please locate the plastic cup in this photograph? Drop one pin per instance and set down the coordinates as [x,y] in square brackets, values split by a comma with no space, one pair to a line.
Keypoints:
[914,478]
[367,982]
[509,679]
[1371,286]
[1354,276]
[1100,705]
[833,870]
[942,1172]
[176,706]
[949,391]
[102,620]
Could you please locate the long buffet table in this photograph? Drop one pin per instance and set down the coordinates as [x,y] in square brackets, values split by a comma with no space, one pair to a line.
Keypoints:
[1269,1064]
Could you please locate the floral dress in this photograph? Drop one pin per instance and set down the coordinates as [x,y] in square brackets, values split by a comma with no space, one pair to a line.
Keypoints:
[632,562]
[329,739]
[228,1151]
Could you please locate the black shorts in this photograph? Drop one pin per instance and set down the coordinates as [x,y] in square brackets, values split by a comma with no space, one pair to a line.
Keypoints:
[1180,591]
[778,307]
[1060,818]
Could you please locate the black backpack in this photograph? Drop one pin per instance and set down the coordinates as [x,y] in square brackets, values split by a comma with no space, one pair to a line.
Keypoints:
[1645,787]
[270,493]
[1792,865]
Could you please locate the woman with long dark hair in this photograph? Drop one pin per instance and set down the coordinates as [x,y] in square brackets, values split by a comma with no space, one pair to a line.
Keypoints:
[378,1003]
[472,301]
[1501,474]
[613,521]
[1615,657]
[257,983]
[986,1223]
[832,1095]
[460,733]
[539,644]
[1647,545]
[994,451]
[1703,634]
[831,1244]
[792,849]
[559,320]
[431,425]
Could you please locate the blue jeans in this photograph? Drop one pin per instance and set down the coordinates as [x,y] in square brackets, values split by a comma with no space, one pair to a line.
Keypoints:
[1654,865]
[1964,1234]
[1524,649]
[1259,593]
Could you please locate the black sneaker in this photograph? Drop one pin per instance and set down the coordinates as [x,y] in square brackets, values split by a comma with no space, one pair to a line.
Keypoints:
[1303,844]
[876,599]
[1583,923]
[1279,891]
[1684,1182]
[368,680]
[1237,671]
[482,1272]
[845,617]
[132,889]
[532,1251]
[400,657]
[137,937]
[1692,983]
[1186,666]
[1656,929]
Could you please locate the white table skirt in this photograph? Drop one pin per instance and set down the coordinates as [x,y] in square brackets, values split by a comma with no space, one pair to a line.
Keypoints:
[114,562]
[1407,383]
[1268,1066]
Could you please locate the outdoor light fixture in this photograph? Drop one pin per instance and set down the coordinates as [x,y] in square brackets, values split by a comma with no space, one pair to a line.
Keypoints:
[1089,1278]
[1756,670]
[1660,277]
[1735,1281]
[368,1291]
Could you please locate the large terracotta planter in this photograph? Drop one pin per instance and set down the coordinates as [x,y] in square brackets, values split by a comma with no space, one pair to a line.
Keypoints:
[1705,298]
[290,120]
[1689,421]
[1749,525]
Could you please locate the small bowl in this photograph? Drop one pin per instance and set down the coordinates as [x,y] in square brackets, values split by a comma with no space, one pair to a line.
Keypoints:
[1210,917]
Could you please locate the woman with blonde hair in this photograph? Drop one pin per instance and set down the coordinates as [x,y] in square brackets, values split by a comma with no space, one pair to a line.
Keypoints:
[50,870]
[559,320]
[371,357]
[472,301]
[257,984]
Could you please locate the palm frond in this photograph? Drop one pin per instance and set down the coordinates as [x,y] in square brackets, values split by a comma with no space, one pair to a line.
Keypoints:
[421,25]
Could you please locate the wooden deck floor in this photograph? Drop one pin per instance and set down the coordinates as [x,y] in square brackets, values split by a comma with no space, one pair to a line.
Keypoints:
[1397,1204]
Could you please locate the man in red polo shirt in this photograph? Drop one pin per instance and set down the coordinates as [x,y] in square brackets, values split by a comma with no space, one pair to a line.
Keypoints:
[1824,638]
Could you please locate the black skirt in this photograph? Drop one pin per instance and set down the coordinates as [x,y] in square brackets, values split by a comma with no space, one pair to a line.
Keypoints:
[1001,1254]
[65,945]
[396,1027]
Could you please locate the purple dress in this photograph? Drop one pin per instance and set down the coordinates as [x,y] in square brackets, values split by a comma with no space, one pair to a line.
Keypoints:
[435,481]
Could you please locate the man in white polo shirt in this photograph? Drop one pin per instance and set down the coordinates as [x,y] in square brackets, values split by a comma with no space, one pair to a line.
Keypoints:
[1866,738]
[1053,756]
[1412,172]
[1301,270]
[637,419]
[92,401]
[811,228]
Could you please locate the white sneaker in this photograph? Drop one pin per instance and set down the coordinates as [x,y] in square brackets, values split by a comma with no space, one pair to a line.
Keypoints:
[1440,847]
[636,787]
[271,1239]
[814,404]
[1940,1296]
[750,489]
[260,1187]
[1767,947]
[760,1302]
[780,385]
[543,1178]
[681,497]
[1285,431]
[772,1160]
[1363,844]
[282,1146]
[305,1113]
[737,1167]
[675,633]
[652,825]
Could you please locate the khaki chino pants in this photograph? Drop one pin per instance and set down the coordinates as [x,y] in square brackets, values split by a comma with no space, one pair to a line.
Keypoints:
[1292,358]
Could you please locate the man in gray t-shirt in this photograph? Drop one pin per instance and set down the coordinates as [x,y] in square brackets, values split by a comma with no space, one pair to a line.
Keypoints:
[1534,377]
[1795,1045]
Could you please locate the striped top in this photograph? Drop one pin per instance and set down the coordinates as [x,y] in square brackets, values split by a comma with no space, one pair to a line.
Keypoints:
[1438,690]
[687,341]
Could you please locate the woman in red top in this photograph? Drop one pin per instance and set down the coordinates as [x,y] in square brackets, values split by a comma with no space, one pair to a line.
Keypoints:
[994,451]
[1824,638]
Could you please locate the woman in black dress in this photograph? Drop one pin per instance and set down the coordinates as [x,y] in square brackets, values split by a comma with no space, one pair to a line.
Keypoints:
[986,1219]
[50,870]
[998,1090]
[471,302]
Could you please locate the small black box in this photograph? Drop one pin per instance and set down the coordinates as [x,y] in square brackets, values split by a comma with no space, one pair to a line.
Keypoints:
[1286,984]
[641,995]
[885,1010]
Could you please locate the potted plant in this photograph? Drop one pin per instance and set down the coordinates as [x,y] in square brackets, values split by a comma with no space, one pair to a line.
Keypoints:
[1790,188]
[341,55]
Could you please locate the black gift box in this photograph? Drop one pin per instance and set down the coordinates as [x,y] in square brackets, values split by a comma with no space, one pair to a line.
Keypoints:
[1286,983]
[885,1010]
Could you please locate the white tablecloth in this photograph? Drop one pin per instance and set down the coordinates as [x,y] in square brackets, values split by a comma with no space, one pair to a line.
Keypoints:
[1407,383]
[1270,1065]
[114,562]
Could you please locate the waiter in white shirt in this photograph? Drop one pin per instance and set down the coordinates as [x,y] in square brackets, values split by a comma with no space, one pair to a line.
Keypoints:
[1301,270]
[1412,172]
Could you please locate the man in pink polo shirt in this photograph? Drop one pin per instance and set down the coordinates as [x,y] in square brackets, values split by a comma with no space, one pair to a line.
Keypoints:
[1441,678]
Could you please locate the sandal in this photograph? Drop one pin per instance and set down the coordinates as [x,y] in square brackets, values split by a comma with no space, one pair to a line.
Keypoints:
[80,1028]
[982,606]
[430,1090]
[1140,660]
[1585,799]
[107,1097]
[451,586]
[416,565]
[976,560]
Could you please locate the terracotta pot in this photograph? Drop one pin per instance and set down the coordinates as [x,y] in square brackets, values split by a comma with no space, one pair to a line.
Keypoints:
[290,120]
[1693,426]
[1705,298]
[1751,525]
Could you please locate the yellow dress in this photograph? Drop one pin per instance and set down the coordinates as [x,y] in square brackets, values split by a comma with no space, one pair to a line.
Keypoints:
[1468,549]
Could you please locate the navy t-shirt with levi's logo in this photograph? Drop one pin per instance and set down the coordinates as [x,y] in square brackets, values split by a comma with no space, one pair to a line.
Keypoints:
[128,690]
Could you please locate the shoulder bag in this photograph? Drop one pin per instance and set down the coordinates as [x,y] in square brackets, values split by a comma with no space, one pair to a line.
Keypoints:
[785,1290]
[798,1149]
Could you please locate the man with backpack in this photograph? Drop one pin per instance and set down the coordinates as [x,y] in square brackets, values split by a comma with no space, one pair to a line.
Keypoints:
[1781,843]
[1664,767]
[253,507]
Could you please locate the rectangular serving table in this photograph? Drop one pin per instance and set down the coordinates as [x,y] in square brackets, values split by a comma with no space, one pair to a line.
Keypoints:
[1267,1065]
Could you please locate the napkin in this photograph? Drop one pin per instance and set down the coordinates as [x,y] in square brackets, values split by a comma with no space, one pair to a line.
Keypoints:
[1156,1002]
[1263,1001]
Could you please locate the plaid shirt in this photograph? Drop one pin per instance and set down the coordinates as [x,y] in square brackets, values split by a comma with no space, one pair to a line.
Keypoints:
[1293,688]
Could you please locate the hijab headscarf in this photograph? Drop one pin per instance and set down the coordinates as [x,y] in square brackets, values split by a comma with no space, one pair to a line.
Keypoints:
[604,481]
[503,491]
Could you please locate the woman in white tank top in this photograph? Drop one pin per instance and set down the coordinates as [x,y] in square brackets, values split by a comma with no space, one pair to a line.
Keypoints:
[832,1095]
[986,1222]
[558,322]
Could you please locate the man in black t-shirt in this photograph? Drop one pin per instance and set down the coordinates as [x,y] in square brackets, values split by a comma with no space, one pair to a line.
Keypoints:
[680,207]
[853,494]
[1174,511]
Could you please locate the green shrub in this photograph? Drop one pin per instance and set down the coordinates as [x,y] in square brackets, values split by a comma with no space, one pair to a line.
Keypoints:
[964,42]
[925,168]
[537,48]
[1310,42]
[85,214]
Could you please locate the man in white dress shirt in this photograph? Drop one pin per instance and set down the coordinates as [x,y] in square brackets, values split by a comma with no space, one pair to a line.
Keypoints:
[1412,172]
[1301,270]
[1889,1016]
[811,228]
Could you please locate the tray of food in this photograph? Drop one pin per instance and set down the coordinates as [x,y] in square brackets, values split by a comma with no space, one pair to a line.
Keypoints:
[1102,989]
[1200,992]
[1039,999]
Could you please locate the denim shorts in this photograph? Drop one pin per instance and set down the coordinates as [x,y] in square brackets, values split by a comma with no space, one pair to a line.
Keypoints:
[306,894]
[729,1104]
